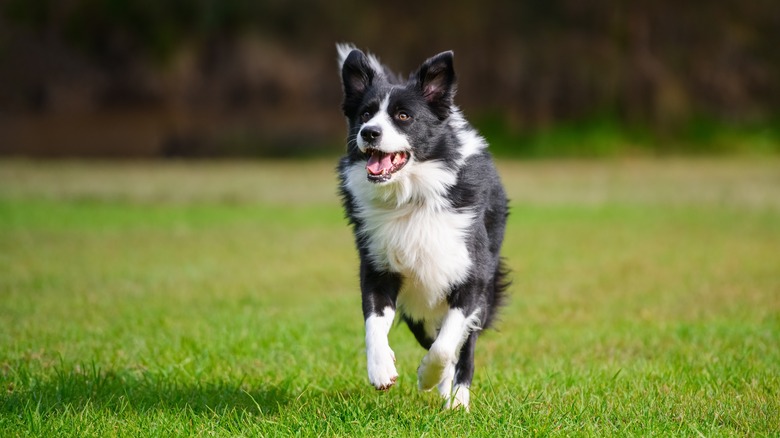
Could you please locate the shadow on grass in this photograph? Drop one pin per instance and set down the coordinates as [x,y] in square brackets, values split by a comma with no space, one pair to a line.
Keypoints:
[122,390]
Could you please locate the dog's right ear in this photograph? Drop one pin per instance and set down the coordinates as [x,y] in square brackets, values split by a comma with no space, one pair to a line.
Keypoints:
[357,74]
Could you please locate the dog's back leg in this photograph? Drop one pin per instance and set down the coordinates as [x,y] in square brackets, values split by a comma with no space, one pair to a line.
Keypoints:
[452,350]
[464,372]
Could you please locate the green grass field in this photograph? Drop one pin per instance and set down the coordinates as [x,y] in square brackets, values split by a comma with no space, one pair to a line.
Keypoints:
[179,299]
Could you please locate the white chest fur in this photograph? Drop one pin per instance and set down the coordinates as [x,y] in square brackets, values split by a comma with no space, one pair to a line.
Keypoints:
[410,229]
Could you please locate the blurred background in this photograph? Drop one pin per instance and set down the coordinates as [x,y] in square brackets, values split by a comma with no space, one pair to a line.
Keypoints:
[246,78]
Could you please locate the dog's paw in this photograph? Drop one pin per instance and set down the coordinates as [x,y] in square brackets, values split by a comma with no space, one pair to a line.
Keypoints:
[458,399]
[445,386]
[434,368]
[381,368]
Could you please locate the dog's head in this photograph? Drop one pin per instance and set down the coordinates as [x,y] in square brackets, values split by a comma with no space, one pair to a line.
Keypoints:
[394,123]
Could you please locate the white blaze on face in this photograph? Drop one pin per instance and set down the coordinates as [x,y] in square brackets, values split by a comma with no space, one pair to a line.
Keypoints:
[392,140]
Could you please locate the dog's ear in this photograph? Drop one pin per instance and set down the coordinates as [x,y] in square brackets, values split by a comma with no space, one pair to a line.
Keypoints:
[357,74]
[436,82]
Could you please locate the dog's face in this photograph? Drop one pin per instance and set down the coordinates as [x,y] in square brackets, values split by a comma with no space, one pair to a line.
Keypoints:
[392,125]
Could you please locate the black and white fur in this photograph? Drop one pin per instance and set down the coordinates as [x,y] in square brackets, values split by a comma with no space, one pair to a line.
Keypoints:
[428,211]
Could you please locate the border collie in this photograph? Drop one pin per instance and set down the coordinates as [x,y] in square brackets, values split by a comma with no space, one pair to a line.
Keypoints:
[428,212]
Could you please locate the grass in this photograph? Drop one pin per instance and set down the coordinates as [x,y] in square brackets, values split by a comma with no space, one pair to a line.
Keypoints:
[179,299]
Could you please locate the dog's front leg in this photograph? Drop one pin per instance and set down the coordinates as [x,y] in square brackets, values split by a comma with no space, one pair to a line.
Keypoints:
[379,294]
[438,366]
[380,357]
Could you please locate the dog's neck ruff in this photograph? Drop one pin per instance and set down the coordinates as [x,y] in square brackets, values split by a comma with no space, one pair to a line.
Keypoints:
[411,228]
[423,185]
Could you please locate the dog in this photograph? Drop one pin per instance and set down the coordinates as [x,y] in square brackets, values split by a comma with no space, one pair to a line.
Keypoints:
[428,211]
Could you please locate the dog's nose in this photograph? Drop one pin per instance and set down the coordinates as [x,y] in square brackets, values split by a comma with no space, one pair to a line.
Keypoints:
[371,133]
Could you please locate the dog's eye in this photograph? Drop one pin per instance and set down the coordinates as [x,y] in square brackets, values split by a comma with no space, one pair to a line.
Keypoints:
[365,117]
[402,116]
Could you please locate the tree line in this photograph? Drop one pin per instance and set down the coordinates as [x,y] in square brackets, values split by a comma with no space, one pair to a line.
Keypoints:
[237,75]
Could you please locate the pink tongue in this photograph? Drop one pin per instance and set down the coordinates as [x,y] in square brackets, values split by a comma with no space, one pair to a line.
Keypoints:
[379,162]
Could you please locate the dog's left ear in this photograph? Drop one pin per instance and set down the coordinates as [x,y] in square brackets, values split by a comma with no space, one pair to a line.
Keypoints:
[436,82]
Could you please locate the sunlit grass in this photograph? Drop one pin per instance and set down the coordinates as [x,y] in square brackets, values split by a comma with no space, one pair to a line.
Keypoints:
[221,298]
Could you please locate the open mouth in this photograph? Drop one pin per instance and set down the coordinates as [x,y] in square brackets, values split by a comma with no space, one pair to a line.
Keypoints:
[382,165]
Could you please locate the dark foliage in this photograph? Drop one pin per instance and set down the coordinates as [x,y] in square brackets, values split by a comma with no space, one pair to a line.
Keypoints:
[220,77]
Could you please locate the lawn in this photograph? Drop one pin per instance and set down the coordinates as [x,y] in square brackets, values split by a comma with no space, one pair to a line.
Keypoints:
[221,298]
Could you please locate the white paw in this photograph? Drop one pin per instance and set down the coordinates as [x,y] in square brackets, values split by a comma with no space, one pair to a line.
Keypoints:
[445,386]
[433,369]
[459,399]
[381,367]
